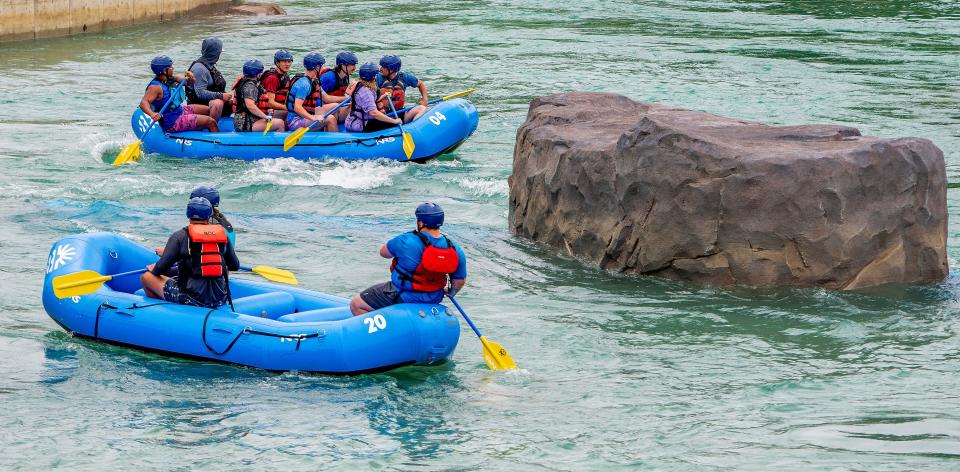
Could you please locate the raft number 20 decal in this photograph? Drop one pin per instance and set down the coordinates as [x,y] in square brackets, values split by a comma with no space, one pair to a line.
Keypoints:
[375,322]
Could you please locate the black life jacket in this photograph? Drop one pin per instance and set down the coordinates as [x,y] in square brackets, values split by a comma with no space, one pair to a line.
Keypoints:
[280,96]
[355,111]
[219,84]
[340,89]
[239,105]
[396,88]
[436,266]
[309,103]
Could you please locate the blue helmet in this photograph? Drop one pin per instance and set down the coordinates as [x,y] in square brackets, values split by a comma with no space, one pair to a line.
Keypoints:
[313,60]
[346,58]
[430,214]
[368,71]
[160,64]
[210,193]
[282,55]
[252,68]
[199,208]
[391,62]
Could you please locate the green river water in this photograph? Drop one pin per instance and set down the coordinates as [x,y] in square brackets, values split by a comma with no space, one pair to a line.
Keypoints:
[618,372]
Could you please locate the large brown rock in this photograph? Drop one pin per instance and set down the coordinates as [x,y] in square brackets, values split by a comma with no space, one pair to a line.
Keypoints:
[652,189]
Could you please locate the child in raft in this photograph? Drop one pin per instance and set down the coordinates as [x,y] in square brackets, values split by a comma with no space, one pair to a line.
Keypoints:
[247,90]
[364,115]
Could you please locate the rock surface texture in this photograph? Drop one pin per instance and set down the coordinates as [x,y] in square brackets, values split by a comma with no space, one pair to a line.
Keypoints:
[652,189]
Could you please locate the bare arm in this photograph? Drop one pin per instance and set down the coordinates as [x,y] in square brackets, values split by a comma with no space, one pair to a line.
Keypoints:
[385,253]
[380,116]
[253,108]
[153,93]
[424,99]
[456,285]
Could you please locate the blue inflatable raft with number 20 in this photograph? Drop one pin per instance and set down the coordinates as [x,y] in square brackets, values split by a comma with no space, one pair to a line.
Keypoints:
[271,326]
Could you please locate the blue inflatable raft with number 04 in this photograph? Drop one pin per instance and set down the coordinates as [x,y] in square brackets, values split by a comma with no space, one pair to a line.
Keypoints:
[271,326]
[440,130]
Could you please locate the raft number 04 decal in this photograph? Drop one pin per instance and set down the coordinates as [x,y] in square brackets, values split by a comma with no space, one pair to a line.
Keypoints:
[437,117]
[376,322]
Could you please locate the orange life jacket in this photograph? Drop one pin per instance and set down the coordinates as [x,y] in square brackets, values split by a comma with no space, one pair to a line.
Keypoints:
[396,88]
[436,265]
[207,243]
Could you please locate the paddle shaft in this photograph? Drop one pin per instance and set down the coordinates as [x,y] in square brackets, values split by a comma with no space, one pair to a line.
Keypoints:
[400,124]
[469,322]
[431,102]
[175,92]
[325,115]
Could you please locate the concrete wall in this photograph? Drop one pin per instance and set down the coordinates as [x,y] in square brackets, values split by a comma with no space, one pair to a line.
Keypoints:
[33,19]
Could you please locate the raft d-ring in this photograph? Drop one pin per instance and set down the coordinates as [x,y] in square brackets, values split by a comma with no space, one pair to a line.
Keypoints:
[113,254]
[321,333]
[435,311]
[246,330]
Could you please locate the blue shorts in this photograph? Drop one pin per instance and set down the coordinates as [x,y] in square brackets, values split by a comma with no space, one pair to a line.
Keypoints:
[172,294]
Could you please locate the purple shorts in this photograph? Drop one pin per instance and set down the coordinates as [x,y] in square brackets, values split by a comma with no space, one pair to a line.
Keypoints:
[187,120]
[297,121]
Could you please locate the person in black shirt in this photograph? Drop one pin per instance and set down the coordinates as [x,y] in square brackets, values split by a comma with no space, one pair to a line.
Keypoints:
[203,255]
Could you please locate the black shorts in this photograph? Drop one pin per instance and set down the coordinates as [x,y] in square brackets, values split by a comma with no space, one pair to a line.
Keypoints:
[381,295]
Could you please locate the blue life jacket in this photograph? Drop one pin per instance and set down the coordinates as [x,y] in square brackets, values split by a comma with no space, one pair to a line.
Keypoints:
[173,112]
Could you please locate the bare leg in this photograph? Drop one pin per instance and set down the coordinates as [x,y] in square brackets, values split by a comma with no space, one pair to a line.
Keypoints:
[261,125]
[207,122]
[358,306]
[331,122]
[153,284]
[414,113]
[200,109]
[280,115]
[216,109]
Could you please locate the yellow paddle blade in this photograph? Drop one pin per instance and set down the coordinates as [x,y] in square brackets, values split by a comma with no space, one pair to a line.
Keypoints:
[408,145]
[496,356]
[269,124]
[294,138]
[275,275]
[130,152]
[459,94]
[78,283]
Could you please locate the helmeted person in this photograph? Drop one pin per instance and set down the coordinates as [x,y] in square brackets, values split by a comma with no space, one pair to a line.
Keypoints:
[210,88]
[363,115]
[178,116]
[247,90]
[336,82]
[424,262]
[276,84]
[395,83]
[217,217]
[203,255]
[303,100]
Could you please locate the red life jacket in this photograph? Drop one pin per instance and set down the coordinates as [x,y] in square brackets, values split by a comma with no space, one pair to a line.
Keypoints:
[436,265]
[396,87]
[340,89]
[280,96]
[309,103]
[206,245]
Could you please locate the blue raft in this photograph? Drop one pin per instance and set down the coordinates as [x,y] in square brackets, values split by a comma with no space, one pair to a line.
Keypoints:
[440,130]
[272,326]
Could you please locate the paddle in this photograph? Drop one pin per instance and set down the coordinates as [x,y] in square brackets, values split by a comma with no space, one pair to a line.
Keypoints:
[88,281]
[438,100]
[297,135]
[269,122]
[408,145]
[494,354]
[131,152]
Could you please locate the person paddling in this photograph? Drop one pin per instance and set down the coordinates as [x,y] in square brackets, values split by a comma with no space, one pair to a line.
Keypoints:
[423,261]
[395,83]
[178,116]
[210,88]
[363,114]
[276,83]
[303,100]
[336,82]
[213,196]
[247,90]
[203,255]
